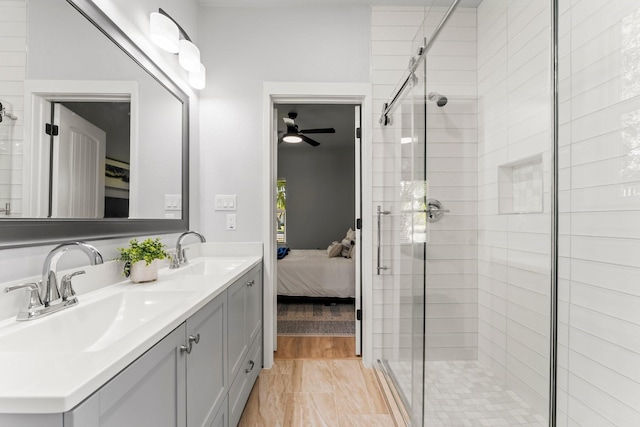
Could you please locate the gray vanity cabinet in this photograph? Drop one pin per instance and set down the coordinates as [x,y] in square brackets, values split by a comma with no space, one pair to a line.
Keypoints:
[149,392]
[207,373]
[245,340]
[181,381]
[245,318]
[222,419]
[200,375]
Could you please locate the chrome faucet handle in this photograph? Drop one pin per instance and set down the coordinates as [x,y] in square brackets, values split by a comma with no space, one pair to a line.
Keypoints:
[174,260]
[66,289]
[35,303]
[183,257]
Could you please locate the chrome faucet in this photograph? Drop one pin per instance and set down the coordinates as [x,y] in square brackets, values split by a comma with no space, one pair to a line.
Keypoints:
[46,299]
[49,283]
[180,257]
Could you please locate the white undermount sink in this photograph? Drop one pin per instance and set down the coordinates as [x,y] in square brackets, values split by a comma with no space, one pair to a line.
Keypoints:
[91,327]
[214,267]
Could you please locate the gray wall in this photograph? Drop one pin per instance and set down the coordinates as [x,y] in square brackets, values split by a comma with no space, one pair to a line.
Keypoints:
[320,193]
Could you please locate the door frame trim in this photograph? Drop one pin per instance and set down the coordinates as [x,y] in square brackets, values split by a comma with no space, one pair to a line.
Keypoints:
[316,93]
[35,147]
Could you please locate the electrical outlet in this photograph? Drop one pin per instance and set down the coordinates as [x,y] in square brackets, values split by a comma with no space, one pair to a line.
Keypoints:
[231,222]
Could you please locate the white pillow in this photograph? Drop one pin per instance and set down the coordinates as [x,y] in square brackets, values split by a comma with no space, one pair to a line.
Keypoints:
[334,249]
[351,235]
[346,248]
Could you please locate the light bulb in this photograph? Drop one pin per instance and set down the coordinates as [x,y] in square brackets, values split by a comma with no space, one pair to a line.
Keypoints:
[189,56]
[198,79]
[164,32]
[293,139]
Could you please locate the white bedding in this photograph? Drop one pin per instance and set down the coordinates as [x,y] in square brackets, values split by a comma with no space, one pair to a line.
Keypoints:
[311,273]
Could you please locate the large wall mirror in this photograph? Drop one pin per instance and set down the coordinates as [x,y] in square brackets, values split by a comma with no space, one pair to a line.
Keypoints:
[93,137]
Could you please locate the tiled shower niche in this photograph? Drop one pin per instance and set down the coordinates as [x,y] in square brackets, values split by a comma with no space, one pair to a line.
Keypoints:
[520,186]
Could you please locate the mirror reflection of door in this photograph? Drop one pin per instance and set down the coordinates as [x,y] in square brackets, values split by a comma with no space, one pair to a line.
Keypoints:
[78,157]
[87,166]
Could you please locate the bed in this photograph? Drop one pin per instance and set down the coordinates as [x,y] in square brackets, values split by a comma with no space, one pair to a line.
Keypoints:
[311,273]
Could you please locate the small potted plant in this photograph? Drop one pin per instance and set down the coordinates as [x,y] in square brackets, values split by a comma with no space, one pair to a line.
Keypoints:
[141,259]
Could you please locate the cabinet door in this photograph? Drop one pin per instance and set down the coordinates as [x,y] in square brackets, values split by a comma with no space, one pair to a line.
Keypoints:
[151,392]
[222,419]
[238,342]
[206,364]
[254,306]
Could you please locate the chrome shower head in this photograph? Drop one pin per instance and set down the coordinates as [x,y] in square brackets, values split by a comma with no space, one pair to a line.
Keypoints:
[440,100]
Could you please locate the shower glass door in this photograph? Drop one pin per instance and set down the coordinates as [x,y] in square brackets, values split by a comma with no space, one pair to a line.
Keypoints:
[402,239]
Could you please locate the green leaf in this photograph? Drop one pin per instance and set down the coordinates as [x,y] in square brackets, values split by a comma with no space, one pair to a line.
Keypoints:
[147,251]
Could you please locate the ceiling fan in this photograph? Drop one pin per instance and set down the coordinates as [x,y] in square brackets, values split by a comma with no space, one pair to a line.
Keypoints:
[295,135]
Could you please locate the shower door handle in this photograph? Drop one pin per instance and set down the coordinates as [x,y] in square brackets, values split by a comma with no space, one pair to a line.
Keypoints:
[380,213]
[435,210]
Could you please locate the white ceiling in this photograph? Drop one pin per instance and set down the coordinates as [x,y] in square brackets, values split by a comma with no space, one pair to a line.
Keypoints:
[274,3]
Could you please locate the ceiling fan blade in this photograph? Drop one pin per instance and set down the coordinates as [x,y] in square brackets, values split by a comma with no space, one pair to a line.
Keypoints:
[322,130]
[289,122]
[309,141]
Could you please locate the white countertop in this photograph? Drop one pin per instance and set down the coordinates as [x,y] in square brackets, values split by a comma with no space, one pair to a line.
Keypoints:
[53,380]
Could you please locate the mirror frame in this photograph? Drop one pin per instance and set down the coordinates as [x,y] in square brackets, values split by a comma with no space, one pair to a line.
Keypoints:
[15,233]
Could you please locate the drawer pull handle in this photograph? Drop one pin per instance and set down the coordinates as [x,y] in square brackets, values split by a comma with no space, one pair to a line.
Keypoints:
[189,347]
[251,364]
[250,283]
[195,339]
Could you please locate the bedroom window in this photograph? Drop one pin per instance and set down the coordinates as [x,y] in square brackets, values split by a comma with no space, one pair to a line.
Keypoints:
[281,210]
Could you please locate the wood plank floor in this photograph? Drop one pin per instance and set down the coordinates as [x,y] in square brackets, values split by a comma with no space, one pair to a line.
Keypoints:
[316,381]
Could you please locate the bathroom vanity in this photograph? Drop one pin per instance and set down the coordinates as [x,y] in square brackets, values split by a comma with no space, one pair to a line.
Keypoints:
[182,351]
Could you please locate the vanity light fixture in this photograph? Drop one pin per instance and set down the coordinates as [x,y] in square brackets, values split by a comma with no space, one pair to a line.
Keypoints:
[164,32]
[189,56]
[197,79]
[171,37]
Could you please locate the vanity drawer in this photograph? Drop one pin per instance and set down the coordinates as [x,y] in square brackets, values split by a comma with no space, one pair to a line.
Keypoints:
[241,387]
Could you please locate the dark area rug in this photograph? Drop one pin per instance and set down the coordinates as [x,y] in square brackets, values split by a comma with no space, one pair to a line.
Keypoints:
[313,318]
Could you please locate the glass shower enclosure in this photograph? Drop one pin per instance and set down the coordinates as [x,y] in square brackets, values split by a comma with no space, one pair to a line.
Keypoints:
[464,225]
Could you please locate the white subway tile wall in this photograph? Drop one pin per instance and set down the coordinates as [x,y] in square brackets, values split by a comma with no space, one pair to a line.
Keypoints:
[452,252]
[514,109]
[599,321]
[13,62]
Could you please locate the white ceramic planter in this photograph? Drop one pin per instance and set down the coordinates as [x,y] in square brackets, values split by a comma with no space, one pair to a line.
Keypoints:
[141,272]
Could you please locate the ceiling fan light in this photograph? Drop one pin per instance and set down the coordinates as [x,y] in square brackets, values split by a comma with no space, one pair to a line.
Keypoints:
[164,32]
[293,139]
[189,56]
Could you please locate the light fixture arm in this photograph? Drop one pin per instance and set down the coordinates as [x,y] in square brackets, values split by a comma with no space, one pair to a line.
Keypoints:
[183,33]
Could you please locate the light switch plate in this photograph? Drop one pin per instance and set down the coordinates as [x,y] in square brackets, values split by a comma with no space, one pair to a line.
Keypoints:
[231,222]
[172,202]
[225,202]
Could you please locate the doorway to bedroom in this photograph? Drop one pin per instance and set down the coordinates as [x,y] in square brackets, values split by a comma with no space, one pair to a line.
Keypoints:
[318,208]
